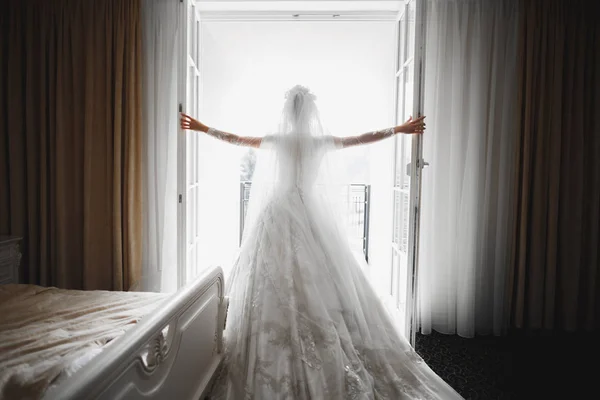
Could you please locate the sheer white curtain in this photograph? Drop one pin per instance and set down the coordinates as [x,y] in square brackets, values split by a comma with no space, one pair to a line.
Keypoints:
[159,35]
[470,80]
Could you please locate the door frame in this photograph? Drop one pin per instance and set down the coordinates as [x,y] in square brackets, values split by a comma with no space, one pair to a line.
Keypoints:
[211,15]
[266,16]
[410,313]
[181,144]
[183,137]
[418,109]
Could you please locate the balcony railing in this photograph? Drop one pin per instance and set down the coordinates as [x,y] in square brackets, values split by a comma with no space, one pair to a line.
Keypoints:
[357,200]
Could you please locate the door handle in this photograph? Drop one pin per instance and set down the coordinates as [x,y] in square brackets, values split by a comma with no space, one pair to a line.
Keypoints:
[422,164]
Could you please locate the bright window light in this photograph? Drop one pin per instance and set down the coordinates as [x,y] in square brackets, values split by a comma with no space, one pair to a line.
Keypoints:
[246,67]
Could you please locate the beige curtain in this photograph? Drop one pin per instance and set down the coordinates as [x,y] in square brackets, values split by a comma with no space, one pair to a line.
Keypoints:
[555,282]
[70,131]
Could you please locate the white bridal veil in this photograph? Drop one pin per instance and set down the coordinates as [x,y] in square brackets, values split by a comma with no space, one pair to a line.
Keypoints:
[299,155]
[303,320]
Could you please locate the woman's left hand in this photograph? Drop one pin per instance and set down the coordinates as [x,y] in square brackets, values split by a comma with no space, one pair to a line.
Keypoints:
[412,126]
[187,122]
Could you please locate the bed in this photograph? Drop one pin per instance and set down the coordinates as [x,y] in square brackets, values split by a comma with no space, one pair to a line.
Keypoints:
[61,344]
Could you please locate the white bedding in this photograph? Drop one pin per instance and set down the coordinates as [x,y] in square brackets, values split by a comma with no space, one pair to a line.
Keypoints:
[46,334]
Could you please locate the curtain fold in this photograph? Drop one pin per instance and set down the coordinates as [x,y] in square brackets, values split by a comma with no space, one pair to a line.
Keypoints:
[555,279]
[467,196]
[159,166]
[70,140]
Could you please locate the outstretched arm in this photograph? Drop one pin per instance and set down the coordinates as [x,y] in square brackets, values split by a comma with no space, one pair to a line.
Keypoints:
[190,123]
[411,126]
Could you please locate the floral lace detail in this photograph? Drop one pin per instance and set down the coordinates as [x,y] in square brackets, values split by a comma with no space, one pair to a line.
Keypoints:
[221,135]
[368,137]
[354,386]
[385,132]
[230,138]
[304,324]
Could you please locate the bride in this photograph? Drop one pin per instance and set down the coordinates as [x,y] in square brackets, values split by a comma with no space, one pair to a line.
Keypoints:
[304,321]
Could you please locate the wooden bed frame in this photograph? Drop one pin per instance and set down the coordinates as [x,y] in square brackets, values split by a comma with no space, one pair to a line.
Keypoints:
[171,354]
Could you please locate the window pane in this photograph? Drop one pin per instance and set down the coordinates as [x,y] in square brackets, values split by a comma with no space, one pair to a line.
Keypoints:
[402,279]
[400,163]
[401,219]
[400,98]
[190,30]
[409,83]
[197,40]
[401,41]
[397,222]
[188,160]
[403,154]
[194,262]
[193,47]
[405,221]
[410,48]
[188,223]
[394,281]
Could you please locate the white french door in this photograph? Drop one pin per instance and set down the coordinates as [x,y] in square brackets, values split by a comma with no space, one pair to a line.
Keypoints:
[408,164]
[188,144]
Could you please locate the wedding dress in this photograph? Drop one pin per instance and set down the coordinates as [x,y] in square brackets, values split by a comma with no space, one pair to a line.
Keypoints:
[304,321]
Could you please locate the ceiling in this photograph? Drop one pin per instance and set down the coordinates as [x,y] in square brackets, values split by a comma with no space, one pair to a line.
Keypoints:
[304,6]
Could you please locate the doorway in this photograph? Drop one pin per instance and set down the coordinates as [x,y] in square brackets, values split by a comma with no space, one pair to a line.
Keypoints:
[359,58]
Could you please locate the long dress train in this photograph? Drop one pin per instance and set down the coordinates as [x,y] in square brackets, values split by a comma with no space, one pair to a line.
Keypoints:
[304,321]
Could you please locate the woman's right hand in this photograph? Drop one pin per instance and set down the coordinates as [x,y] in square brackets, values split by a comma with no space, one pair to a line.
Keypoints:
[192,124]
[412,126]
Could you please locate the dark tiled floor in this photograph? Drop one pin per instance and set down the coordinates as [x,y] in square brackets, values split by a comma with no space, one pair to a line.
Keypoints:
[517,366]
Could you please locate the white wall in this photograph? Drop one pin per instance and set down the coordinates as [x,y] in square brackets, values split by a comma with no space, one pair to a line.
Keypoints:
[247,67]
